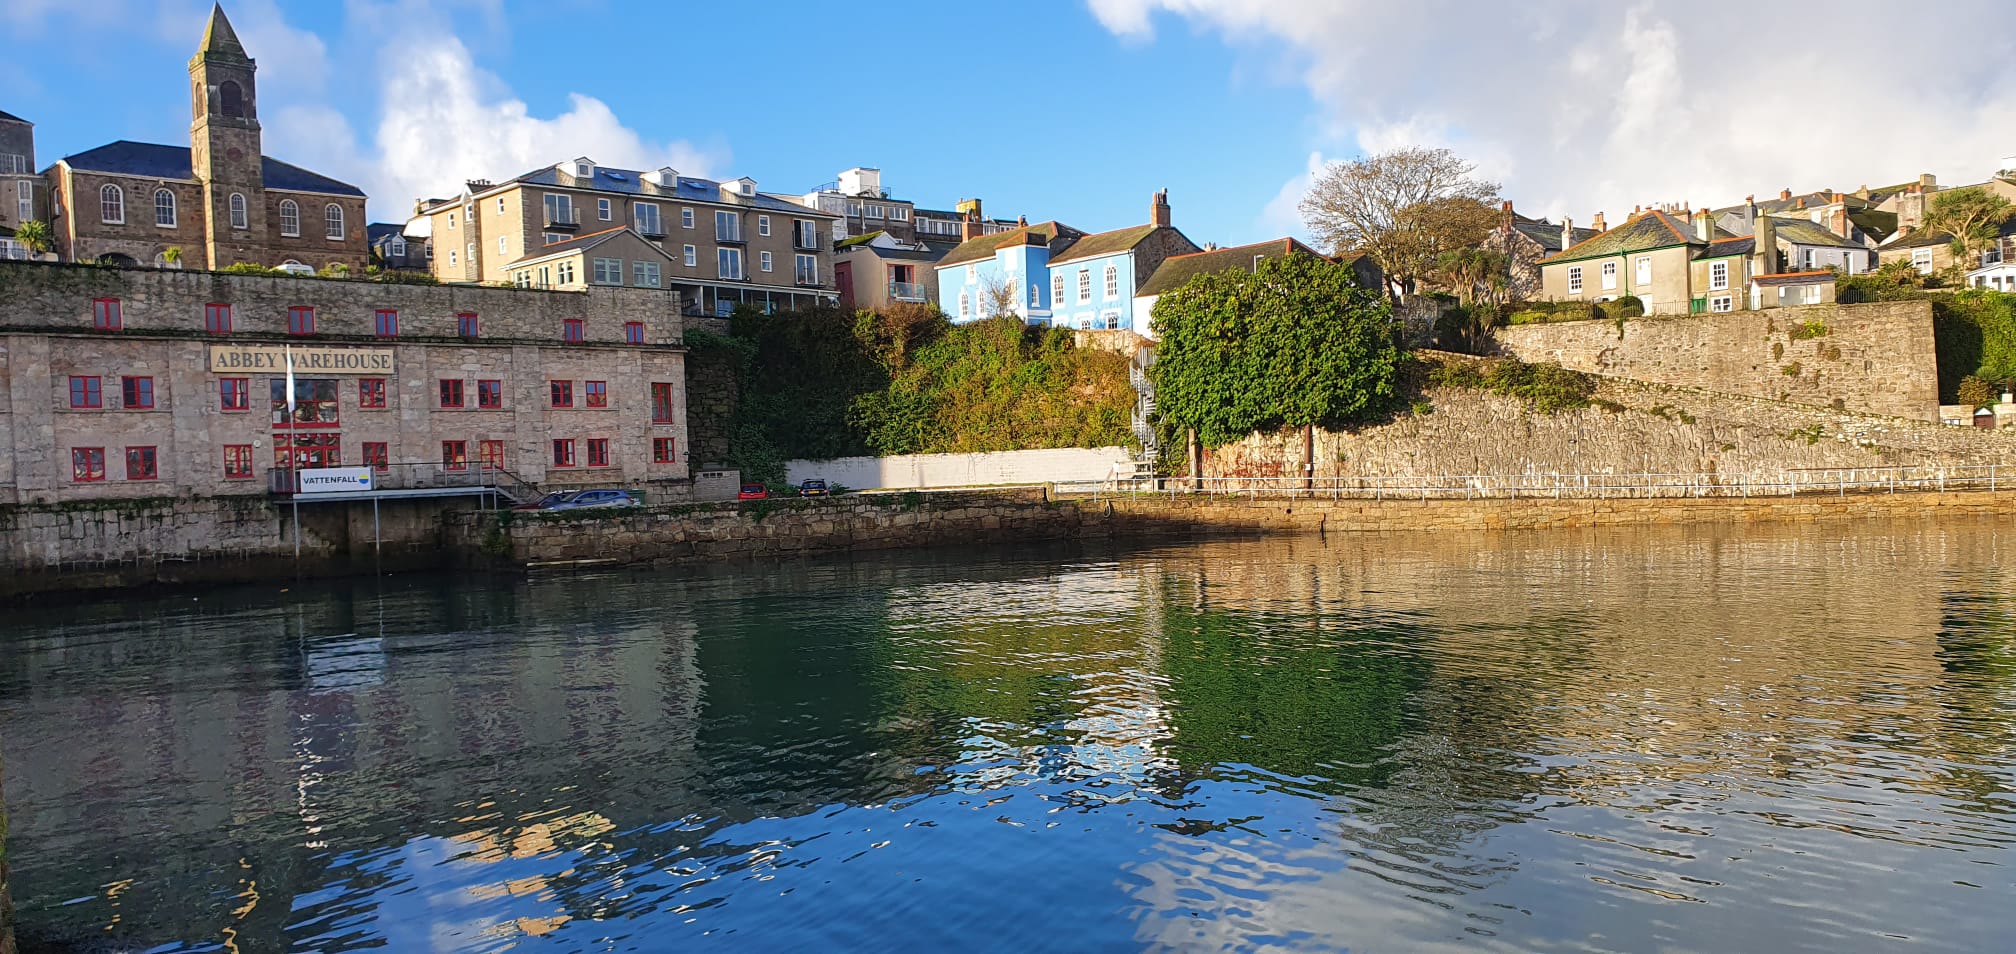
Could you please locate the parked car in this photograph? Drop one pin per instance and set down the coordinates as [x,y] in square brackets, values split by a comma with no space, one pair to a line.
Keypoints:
[813,488]
[585,499]
[753,492]
[296,268]
[549,501]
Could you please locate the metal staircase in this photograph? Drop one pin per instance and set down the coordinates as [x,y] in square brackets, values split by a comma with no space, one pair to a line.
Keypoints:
[1144,420]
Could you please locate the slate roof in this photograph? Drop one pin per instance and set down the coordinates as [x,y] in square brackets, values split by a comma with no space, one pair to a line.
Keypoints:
[1646,230]
[376,232]
[6,116]
[582,243]
[1724,247]
[1923,238]
[906,254]
[1807,232]
[1105,243]
[154,161]
[1056,234]
[689,188]
[1177,270]
[1793,278]
[1547,234]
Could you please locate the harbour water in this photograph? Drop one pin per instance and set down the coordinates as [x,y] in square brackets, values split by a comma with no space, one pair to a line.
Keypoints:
[1792,739]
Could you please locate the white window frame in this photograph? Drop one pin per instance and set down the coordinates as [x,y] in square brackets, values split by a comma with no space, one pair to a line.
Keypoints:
[1811,258]
[290,218]
[602,268]
[1112,282]
[24,199]
[396,248]
[637,216]
[806,270]
[1722,304]
[451,259]
[1644,271]
[1609,275]
[451,221]
[685,218]
[965,305]
[972,274]
[551,238]
[566,271]
[160,208]
[1921,259]
[1813,293]
[332,220]
[808,233]
[763,260]
[692,257]
[1574,279]
[111,204]
[1718,275]
[763,226]
[1084,285]
[1056,289]
[727,226]
[240,218]
[502,249]
[602,208]
[728,264]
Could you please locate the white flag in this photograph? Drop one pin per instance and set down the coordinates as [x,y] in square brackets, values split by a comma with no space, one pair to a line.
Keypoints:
[290,384]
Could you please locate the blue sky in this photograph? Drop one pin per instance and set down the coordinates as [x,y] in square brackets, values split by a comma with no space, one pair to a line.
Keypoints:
[790,93]
[1069,109]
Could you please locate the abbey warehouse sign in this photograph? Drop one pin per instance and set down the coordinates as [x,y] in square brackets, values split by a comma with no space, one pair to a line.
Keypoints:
[267,359]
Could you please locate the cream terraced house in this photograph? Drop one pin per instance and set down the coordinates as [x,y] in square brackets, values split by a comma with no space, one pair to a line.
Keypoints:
[1676,267]
[716,245]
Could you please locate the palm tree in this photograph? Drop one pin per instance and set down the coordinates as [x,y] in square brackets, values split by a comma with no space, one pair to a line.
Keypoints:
[34,235]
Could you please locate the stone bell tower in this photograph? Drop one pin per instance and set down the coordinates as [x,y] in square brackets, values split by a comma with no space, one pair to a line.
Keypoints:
[224,147]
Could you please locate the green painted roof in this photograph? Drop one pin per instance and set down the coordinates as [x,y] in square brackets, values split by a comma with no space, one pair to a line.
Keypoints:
[973,250]
[1177,270]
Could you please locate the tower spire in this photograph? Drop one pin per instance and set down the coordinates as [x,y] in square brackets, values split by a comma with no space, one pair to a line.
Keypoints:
[218,38]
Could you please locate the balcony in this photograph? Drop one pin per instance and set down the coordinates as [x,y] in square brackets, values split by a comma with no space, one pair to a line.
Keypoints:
[906,291]
[731,238]
[803,242]
[562,221]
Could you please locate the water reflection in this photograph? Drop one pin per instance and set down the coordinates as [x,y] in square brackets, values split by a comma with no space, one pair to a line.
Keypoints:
[1680,740]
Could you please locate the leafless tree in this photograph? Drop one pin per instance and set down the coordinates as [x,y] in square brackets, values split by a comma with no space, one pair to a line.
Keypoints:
[1404,208]
[999,297]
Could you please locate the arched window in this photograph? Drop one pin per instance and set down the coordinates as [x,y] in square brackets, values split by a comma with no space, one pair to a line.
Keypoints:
[334,213]
[111,204]
[164,208]
[238,218]
[1112,282]
[233,99]
[290,217]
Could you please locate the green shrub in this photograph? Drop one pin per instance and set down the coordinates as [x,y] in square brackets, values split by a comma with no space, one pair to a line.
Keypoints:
[1546,388]
[249,268]
[1975,392]
[1629,306]
[1808,330]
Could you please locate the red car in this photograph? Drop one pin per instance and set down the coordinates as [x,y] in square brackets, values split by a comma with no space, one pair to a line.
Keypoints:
[753,492]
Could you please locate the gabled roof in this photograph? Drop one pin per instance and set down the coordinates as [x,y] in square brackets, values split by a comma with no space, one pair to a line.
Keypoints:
[1177,270]
[1547,234]
[583,243]
[376,232]
[154,161]
[1106,243]
[688,189]
[1806,232]
[1646,230]
[1725,247]
[8,117]
[862,239]
[1056,235]
[928,255]
[1922,238]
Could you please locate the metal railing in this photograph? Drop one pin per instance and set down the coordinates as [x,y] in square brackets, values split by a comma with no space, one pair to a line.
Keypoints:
[906,291]
[1556,486]
[421,476]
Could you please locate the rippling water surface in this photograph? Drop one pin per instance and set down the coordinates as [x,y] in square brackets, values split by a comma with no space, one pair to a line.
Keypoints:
[1778,740]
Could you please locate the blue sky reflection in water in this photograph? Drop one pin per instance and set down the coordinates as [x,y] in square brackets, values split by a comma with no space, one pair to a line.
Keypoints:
[1783,740]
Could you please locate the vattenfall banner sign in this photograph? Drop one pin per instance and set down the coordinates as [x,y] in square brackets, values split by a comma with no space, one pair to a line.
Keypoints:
[307,361]
[335,480]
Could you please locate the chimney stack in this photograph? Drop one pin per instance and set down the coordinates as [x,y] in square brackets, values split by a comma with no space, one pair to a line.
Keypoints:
[1597,223]
[1750,214]
[969,219]
[1926,181]
[1567,231]
[1764,256]
[1704,225]
[1785,195]
[1159,212]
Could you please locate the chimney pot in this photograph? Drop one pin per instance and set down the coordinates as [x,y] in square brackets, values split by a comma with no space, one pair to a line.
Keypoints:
[1598,224]
[1159,211]
[1785,195]
[1750,198]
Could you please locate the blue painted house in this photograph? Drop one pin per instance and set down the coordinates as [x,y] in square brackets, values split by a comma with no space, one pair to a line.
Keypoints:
[1051,273]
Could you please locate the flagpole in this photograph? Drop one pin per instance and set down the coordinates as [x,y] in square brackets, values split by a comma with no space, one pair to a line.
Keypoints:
[293,476]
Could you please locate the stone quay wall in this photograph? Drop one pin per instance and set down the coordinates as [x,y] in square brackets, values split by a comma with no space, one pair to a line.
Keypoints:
[1876,358]
[1636,428]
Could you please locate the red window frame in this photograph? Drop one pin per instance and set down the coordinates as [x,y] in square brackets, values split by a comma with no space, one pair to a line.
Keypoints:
[87,465]
[661,402]
[237,462]
[301,319]
[595,394]
[107,314]
[490,394]
[385,323]
[598,452]
[451,392]
[136,392]
[664,450]
[563,452]
[467,325]
[562,392]
[573,329]
[217,318]
[86,391]
[377,457]
[143,462]
[491,454]
[234,394]
[633,332]
[455,455]
[371,392]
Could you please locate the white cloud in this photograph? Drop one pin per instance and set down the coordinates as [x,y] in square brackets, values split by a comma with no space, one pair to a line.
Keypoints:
[1281,217]
[1586,105]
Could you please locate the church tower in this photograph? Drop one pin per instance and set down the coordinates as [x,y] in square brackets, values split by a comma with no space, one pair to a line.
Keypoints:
[224,147]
